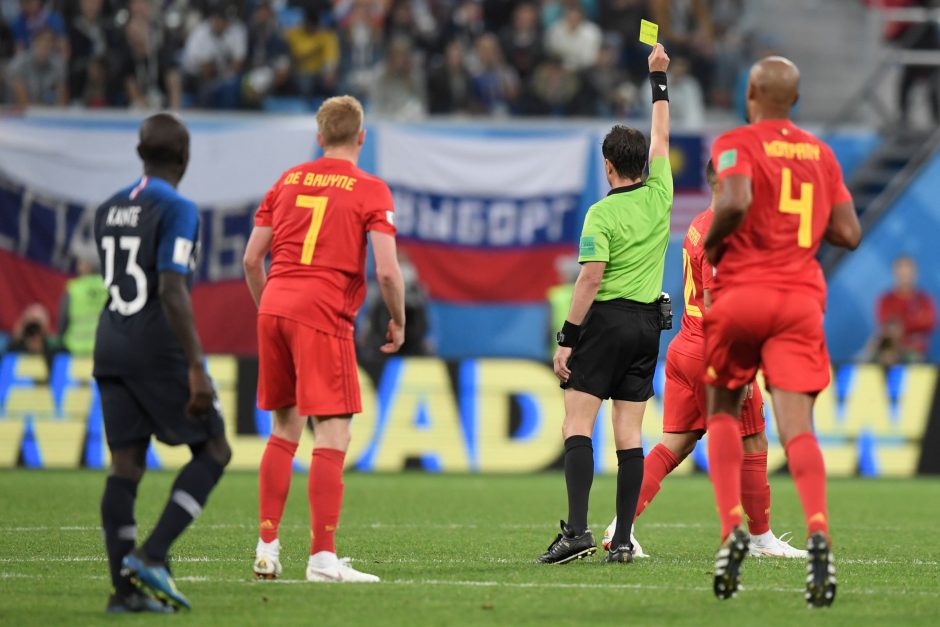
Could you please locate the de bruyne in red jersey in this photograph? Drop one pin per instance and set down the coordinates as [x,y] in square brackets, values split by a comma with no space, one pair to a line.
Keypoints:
[315,221]
[684,408]
[780,194]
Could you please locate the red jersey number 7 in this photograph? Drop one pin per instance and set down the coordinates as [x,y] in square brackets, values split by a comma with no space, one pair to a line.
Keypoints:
[317,205]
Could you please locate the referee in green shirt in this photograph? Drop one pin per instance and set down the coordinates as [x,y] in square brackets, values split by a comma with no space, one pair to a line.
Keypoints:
[609,343]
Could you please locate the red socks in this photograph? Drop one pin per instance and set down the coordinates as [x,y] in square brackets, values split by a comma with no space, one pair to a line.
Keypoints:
[659,463]
[806,465]
[274,484]
[725,458]
[325,488]
[755,492]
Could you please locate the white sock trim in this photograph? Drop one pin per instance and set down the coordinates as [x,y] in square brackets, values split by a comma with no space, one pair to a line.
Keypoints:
[188,502]
[127,532]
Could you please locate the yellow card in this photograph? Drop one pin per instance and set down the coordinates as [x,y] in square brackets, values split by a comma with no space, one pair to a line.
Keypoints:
[648,32]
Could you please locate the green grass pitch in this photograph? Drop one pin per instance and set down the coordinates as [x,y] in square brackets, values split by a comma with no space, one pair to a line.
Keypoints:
[458,550]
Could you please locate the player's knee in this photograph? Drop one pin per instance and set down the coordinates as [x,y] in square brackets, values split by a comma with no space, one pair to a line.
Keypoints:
[220,452]
[128,464]
[756,443]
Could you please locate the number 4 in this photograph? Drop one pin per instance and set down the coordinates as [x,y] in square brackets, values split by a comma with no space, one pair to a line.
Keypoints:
[318,206]
[802,206]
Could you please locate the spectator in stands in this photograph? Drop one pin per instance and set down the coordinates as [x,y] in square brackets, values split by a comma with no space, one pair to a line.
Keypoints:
[399,89]
[467,22]
[495,84]
[148,73]
[685,28]
[554,88]
[36,16]
[416,20]
[315,50]
[575,40]
[522,41]
[88,46]
[915,36]
[7,50]
[907,317]
[80,307]
[686,101]
[268,61]
[31,333]
[214,57]
[361,45]
[37,76]
[450,86]
[607,90]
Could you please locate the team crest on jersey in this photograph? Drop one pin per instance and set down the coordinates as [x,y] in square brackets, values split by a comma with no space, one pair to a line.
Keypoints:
[727,159]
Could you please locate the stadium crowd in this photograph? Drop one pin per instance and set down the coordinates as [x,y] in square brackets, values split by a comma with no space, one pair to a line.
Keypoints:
[405,58]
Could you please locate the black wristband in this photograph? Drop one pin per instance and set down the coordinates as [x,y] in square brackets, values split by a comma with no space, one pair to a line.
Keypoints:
[659,87]
[569,335]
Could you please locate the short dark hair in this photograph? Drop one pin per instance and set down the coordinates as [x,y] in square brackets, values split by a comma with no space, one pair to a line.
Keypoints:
[710,175]
[626,150]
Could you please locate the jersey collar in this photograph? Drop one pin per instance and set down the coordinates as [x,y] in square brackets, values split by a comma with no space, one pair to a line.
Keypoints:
[625,188]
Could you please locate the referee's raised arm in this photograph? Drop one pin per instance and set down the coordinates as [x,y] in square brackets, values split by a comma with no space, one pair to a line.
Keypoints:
[659,132]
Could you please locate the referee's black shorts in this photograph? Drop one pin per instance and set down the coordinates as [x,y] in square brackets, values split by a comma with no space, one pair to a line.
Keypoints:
[616,355]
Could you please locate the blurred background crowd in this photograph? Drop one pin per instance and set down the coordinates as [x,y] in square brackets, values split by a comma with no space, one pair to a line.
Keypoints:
[405,58]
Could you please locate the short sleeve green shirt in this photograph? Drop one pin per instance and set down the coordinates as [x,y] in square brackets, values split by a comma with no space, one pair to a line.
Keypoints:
[629,229]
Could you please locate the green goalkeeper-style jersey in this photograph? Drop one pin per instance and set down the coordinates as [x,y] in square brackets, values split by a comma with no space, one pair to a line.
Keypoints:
[629,229]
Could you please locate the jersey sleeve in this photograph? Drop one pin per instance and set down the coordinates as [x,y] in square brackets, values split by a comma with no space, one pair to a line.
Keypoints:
[263,216]
[179,228]
[595,238]
[730,155]
[838,191]
[660,180]
[380,209]
[708,272]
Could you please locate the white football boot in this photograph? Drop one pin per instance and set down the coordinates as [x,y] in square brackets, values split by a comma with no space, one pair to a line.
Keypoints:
[609,535]
[326,567]
[769,545]
[267,560]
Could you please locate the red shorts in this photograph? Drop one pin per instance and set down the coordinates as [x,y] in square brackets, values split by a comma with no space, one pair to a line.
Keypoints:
[684,406]
[299,365]
[757,327]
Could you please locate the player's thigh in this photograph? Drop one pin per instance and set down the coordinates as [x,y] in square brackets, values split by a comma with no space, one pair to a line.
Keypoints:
[637,358]
[165,399]
[794,356]
[593,361]
[126,424]
[735,329]
[752,413]
[684,394]
[276,371]
[327,374]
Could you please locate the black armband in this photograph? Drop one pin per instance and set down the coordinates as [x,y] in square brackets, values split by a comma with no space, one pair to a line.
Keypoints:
[658,84]
[569,335]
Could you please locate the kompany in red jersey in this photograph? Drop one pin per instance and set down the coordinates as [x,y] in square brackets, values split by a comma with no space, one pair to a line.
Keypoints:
[698,275]
[795,180]
[320,213]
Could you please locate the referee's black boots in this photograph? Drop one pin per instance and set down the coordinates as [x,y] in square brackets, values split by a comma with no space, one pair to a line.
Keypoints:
[568,547]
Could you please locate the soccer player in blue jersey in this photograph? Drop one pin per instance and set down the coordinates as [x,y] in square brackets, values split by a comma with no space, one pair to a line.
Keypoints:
[150,368]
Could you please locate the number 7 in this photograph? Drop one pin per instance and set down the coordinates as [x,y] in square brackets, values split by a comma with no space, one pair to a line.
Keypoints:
[802,206]
[318,206]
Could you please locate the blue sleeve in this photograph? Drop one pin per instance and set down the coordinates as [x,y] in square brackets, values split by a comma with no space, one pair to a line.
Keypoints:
[56,23]
[20,31]
[179,230]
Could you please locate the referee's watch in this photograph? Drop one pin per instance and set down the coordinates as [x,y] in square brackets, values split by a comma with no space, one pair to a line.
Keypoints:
[569,335]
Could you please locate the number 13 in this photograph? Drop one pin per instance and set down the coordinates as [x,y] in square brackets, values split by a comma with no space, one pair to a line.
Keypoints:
[802,206]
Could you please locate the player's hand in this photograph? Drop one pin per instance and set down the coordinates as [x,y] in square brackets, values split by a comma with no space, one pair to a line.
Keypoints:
[395,336]
[201,392]
[658,59]
[560,363]
[714,253]
[749,391]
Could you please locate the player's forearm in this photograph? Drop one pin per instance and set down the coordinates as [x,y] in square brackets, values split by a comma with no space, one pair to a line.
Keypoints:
[725,222]
[256,278]
[178,309]
[392,286]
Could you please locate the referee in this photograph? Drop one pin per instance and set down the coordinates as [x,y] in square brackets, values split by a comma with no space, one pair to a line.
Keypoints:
[609,343]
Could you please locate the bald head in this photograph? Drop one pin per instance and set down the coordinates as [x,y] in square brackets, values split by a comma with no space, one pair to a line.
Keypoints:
[773,88]
[164,146]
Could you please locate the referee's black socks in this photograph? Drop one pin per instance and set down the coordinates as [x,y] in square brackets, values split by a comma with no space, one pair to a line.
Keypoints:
[120,529]
[629,482]
[579,475]
[187,498]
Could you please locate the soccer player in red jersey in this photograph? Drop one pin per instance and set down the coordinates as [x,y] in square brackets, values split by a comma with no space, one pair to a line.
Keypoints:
[684,408]
[315,221]
[780,194]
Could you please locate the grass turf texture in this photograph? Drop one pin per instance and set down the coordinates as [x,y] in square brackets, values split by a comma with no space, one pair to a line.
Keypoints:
[458,550]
